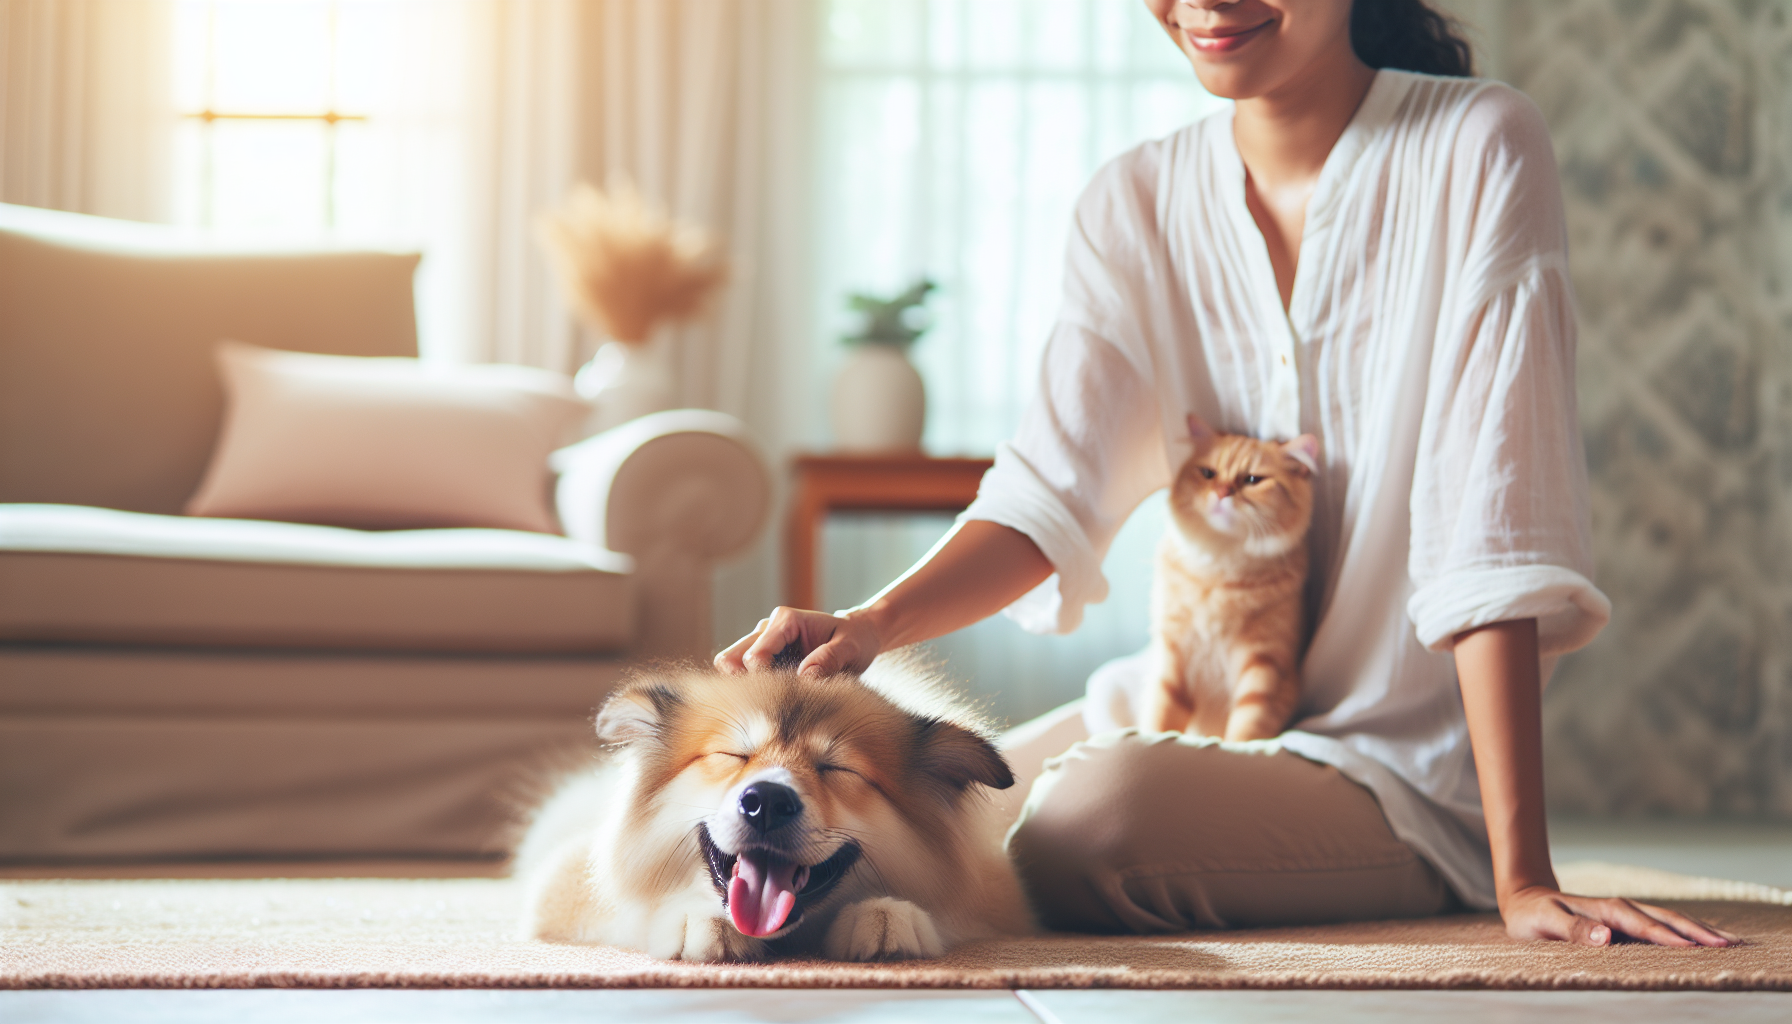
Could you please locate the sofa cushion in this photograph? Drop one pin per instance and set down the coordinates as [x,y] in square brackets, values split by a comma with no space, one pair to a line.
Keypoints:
[386,444]
[108,390]
[77,574]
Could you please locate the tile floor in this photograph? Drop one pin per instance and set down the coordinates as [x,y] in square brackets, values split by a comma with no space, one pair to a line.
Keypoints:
[873,1006]
[1748,851]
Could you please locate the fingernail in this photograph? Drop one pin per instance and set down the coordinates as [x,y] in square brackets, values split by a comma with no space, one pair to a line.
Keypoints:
[1602,935]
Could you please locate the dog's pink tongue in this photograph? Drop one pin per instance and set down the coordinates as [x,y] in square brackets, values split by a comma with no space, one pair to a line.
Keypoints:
[762,893]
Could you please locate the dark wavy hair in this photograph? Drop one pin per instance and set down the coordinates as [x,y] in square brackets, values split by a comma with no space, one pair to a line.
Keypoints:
[1409,36]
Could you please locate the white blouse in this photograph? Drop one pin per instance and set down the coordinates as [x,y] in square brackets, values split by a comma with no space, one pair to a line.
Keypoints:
[1429,345]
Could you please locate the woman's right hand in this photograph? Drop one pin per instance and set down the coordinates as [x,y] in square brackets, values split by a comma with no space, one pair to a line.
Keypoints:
[979,569]
[826,643]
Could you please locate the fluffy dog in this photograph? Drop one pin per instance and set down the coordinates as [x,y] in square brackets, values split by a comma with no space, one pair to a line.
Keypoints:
[739,817]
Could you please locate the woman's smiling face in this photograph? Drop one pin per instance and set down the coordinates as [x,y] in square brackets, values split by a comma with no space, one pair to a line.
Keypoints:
[1243,49]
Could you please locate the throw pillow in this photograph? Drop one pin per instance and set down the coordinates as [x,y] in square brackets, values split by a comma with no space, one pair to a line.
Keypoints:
[377,443]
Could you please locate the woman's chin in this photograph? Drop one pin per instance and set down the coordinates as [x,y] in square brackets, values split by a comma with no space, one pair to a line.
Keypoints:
[1230,80]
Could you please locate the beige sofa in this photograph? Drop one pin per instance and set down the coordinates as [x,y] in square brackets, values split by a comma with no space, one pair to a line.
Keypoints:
[175,687]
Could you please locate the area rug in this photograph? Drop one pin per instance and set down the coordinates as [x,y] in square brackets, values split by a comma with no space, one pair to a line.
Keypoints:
[350,933]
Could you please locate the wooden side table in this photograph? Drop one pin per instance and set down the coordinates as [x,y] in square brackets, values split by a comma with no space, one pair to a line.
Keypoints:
[865,483]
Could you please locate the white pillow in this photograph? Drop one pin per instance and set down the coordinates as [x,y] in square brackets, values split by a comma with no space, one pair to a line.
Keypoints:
[385,443]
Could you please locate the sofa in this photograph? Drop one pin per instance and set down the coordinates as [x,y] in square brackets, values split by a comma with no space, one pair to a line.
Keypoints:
[176,687]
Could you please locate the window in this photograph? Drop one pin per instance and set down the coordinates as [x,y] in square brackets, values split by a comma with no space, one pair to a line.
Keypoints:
[955,138]
[333,121]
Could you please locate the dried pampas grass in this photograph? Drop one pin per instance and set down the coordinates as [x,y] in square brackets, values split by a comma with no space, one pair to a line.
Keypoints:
[626,265]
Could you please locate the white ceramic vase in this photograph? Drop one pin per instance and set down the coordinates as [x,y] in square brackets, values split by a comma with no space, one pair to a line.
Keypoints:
[879,402]
[623,382]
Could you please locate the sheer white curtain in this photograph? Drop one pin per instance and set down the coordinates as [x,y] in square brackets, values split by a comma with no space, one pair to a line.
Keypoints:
[704,105]
[955,137]
[84,105]
[522,117]
[707,106]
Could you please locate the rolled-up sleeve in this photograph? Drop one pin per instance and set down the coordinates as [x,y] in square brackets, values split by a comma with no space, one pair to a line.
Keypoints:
[1088,451]
[1501,525]
[1090,445]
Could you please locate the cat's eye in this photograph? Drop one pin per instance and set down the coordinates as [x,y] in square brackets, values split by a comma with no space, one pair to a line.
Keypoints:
[729,753]
[1206,474]
[1252,479]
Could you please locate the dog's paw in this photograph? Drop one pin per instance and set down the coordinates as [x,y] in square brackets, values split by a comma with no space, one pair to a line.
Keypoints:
[883,929]
[691,935]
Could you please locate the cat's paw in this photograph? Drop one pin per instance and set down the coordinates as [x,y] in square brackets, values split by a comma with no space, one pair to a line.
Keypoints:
[883,929]
[699,936]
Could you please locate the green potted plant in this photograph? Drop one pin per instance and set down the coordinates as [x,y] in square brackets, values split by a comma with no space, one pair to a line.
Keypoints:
[879,401]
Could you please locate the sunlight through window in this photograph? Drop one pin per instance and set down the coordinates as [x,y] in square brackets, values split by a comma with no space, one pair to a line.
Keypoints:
[341,121]
[956,136]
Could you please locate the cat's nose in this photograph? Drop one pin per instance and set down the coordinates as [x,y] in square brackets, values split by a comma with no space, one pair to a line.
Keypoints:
[1223,491]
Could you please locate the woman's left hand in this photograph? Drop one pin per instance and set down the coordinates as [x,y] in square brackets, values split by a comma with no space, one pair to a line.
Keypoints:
[1540,912]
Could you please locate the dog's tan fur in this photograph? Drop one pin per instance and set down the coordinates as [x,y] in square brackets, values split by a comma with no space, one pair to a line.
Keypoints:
[885,762]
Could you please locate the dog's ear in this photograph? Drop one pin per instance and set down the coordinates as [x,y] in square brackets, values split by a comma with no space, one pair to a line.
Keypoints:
[958,757]
[637,712]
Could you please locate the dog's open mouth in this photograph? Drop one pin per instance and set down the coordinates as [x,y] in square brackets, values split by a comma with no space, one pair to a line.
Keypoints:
[766,891]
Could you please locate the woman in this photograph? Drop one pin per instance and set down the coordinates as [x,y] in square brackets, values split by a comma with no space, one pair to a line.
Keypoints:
[1376,257]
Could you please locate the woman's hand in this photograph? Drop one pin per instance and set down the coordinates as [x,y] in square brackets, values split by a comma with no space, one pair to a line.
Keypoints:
[1540,912]
[977,570]
[1502,697]
[826,643]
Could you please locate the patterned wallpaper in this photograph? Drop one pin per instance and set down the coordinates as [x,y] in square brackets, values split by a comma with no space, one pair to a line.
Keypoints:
[1672,122]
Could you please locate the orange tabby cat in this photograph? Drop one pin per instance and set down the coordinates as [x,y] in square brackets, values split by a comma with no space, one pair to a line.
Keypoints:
[1226,601]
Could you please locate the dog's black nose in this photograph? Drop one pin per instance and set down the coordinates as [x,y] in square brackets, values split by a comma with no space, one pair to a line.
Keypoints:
[768,806]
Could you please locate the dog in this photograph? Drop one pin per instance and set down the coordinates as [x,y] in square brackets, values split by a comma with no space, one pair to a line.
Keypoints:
[739,817]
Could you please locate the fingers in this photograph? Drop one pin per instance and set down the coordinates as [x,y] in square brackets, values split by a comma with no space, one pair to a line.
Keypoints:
[1586,921]
[827,643]
[824,660]
[1650,924]
[1541,914]
[784,627]
[1692,928]
[732,659]
[1562,924]
[1624,916]
[1584,931]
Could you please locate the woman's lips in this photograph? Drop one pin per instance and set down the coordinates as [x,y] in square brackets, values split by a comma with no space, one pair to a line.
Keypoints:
[1225,40]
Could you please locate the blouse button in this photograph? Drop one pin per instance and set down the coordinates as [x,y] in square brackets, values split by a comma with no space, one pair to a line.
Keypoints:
[1284,360]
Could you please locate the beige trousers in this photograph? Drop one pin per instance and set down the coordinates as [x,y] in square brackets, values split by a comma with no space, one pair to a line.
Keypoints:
[1162,832]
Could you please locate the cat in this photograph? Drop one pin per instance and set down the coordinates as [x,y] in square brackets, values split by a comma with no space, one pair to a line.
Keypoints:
[1226,599]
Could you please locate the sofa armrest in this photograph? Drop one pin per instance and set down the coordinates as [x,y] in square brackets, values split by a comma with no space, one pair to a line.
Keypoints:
[678,491]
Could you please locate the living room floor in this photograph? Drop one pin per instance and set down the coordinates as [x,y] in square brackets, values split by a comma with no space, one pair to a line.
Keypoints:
[1754,852]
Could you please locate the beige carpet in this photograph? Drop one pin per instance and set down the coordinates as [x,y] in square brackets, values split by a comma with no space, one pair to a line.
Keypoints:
[338,933]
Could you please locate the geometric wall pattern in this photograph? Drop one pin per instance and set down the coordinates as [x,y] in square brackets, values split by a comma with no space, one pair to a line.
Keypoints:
[1672,122]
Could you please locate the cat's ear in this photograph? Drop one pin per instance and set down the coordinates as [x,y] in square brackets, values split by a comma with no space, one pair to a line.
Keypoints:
[1198,430]
[1304,450]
